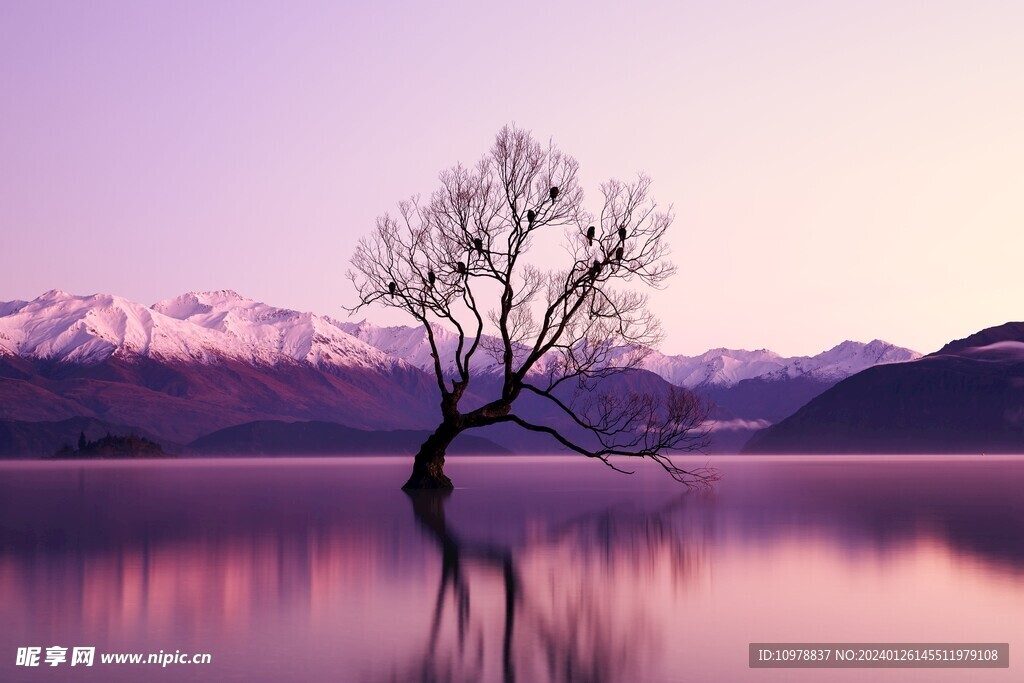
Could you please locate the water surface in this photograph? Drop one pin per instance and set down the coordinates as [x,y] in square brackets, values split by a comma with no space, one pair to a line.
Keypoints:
[535,569]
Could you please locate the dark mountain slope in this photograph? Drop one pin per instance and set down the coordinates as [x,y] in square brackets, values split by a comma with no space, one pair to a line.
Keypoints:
[966,398]
[325,438]
[178,402]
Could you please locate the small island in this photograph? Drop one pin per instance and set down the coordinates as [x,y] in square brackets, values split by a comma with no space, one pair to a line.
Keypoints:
[112,446]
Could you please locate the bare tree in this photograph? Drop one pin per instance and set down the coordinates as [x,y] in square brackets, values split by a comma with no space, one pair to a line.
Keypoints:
[554,333]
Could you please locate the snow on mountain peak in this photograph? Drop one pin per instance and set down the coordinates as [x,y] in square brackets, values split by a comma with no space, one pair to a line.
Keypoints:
[191,303]
[204,326]
[727,367]
[720,366]
[8,307]
[195,326]
[53,294]
[411,345]
[850,357]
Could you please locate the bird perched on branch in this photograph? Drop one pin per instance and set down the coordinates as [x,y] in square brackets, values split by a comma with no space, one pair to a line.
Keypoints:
[431,277]
[618,254]
[531,216]
[391,288]
[461,267]
[590,235]
[622,233]
[478,244]
[553,193]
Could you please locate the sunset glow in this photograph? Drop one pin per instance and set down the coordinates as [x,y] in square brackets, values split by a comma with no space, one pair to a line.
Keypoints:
[838,171]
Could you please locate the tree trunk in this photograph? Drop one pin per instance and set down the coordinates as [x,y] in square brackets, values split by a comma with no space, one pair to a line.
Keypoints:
[428,467]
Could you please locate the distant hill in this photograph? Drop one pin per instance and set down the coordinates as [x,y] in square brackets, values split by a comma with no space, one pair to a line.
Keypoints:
[968,397]
[271,437]
[113,446]
[20,439]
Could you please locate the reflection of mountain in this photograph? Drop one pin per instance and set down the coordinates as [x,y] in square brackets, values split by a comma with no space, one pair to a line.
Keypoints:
[968,397]
[620,577]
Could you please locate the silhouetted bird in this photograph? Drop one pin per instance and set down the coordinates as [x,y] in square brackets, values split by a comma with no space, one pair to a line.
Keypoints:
[431,277]
[531,216]
[596,268]
[392,287]
[461,267]
[590,235]
[478,244]
[618,254]
[553,193]
[622,233]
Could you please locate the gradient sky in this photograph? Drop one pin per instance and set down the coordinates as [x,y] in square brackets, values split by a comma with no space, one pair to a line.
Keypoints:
[838,169]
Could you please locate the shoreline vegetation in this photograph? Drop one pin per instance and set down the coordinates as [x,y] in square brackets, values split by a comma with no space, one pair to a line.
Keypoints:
[112,446]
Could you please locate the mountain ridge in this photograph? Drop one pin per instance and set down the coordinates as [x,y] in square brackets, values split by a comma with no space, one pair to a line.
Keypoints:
[968,397]
[720,366]
[204,361]
[89,329]
[205,326]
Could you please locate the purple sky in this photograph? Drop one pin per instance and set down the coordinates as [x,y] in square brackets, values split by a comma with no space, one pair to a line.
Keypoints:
[838,169]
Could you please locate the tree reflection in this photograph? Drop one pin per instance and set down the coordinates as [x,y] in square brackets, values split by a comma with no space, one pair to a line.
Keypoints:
[554,608]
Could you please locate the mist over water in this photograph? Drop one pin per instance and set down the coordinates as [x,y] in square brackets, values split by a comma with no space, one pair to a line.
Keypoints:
[534,569]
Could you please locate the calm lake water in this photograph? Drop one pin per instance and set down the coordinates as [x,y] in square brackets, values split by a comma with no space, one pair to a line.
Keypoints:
[535,569]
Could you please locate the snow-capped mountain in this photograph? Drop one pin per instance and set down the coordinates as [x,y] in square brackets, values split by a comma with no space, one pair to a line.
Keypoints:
[204,361]
[717,367]
[8,307]
[203,327]
[189,366]
[411,345]
[727,367]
